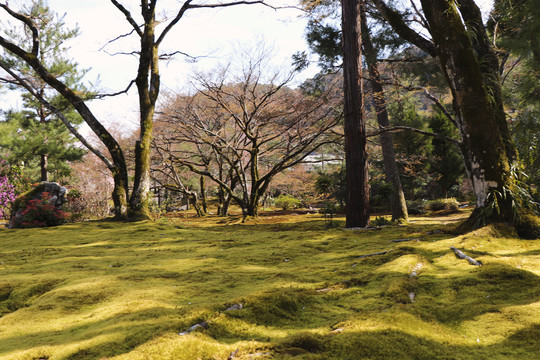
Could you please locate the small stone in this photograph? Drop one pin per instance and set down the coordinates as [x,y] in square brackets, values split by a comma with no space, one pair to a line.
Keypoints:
[235,307]
[202,325]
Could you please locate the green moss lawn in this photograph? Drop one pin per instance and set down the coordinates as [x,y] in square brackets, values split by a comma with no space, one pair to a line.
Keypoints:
[105,290]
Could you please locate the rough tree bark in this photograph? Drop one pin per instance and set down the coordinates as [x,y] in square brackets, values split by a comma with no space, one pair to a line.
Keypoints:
[470,65]
[148,83]
[398,205]
[357,187]
[472,72]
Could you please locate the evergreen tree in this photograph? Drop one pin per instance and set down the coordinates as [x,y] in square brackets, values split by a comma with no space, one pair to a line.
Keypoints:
[40,139]
[446,160]
[515,25]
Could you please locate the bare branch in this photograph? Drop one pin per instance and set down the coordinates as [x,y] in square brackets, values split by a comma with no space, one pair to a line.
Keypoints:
[28,22]
[402,128]
[101,96]
[422,20]
[174,21]
[132,53]
[128,16]
[220,5]
[514,64]
[116,39]
[191,58]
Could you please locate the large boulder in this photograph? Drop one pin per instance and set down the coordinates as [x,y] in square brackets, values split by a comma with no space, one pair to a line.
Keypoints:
[28,213]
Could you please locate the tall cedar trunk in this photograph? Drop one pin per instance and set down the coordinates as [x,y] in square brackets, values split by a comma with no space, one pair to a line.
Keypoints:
[147,82]
[397,198]
[357,211]
[471,69]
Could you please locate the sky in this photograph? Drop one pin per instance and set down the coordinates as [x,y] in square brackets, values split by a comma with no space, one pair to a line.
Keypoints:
[210,34]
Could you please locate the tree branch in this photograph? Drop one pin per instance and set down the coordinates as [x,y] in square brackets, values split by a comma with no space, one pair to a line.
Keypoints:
[395,19]
[116,39]
[408,128]
[28,22]
[128,16]
[101,96]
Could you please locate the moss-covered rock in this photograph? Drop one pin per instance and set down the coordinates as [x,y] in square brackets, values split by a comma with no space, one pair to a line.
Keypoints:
[28,210]
[528,226]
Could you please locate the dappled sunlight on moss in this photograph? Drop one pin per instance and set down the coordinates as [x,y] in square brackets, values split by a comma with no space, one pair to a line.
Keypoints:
[126,291]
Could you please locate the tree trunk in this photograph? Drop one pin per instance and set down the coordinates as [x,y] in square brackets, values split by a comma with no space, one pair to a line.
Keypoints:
[196,205]
[43,165]
[398,205]
[252,209]
[148,83]
[120,195]
[357,211]
[472,72]
[203,195]
[224,202]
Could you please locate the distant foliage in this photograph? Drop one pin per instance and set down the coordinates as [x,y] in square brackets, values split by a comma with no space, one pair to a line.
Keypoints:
[443,204]
[286,202]
[331,185]
[41,213]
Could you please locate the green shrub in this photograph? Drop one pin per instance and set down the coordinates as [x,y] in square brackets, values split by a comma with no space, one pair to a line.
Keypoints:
[380,221]
[443,204]
[40,213]
[329,210]
[416,207]
[286,202]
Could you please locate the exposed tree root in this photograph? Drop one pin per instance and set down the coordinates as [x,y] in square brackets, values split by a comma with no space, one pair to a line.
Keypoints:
[460,254]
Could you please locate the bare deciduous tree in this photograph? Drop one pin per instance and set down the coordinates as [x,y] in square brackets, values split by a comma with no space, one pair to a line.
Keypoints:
[241,129]
[147,80]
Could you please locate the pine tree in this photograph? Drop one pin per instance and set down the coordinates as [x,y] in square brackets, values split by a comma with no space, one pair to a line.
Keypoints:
[41,140]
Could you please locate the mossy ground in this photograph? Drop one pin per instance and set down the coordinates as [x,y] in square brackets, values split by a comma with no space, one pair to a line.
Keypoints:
[105,290]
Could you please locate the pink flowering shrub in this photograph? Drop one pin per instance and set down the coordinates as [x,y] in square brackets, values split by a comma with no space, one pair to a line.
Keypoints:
[12,184]
[7,196]
[8,191]
[41,213]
